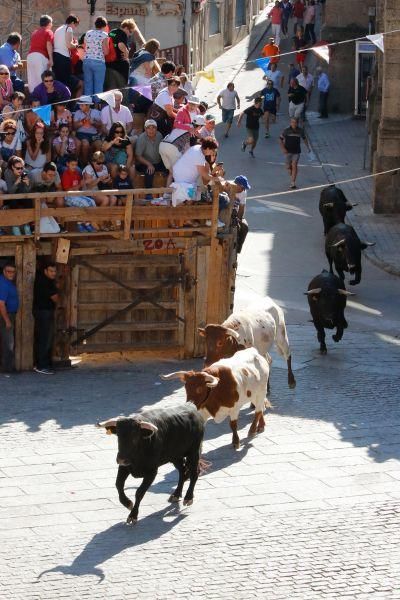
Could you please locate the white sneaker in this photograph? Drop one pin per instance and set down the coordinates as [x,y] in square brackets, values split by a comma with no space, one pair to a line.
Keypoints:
[220,224]
[43,371]
[208,223]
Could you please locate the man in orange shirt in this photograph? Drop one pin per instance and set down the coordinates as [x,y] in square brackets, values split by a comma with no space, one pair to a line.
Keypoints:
[271,50]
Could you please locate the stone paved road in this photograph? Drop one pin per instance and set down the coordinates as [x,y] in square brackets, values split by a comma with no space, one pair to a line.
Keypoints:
[309,509]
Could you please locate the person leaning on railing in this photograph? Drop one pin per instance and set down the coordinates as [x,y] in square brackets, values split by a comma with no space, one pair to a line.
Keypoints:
[17,181]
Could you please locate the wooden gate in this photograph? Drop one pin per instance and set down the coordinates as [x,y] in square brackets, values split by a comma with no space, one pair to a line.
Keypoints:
[125,302]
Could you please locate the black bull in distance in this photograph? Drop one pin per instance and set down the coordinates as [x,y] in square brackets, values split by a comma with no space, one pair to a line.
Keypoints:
[327,298]
[333,206]
[343,247]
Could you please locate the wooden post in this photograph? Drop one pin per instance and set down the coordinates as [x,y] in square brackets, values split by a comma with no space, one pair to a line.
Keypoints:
[214,265]
[128,216]
[190,299]
[26,296]
[19,261]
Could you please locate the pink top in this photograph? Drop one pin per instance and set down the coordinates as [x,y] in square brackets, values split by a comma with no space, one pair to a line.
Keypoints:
[6,91]
[39,39]
[309,14]
[183,119]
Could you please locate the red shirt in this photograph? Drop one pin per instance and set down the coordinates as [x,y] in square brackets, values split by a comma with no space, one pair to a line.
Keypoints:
[69,178]
[39,39]
[298,10]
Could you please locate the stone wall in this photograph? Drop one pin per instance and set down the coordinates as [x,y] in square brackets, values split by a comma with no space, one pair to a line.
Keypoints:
[343,19]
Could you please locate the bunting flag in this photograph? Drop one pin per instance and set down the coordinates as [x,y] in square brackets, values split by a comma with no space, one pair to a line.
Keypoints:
[322,52]
[377,39]
[263,63]
[145,90]
[107,97]
[210,75]
[44,112]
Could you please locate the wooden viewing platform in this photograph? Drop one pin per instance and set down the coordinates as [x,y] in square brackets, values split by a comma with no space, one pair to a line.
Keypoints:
[143,288]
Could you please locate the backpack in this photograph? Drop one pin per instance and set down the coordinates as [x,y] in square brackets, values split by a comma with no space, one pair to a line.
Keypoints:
[112,52]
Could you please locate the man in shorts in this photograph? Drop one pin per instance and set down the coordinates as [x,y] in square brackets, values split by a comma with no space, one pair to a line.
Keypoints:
[272,101]
[297,96]
[227,100]
[253,115]
[290,141]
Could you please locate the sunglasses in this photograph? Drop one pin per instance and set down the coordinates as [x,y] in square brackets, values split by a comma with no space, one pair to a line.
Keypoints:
[99,163]
[48,80]
[18,168]
[4,73]
[119,131]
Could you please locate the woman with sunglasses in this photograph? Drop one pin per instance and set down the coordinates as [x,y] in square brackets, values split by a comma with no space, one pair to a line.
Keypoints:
[38,149]
[10,144]
[51,90]
[18,182]
[97,177]
[6,87]
[15,111]
[118,150]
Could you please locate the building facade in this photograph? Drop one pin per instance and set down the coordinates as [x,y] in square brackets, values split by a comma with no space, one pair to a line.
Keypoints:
[200,29]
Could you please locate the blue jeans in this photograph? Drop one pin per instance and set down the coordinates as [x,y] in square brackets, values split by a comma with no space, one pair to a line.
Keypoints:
[94,72]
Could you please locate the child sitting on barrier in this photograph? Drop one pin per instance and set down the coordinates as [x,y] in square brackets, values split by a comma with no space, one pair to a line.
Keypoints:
[71,181]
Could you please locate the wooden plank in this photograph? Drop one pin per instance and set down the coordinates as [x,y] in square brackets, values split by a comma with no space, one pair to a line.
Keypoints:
[140,352]
[26,294]
[63,248]
[189,306]
[37,208]
[214,266]
[73,303]
[102,284]
[128,217]
[144,326]
[203,258]
[113,306]
[19,265]
[137,261]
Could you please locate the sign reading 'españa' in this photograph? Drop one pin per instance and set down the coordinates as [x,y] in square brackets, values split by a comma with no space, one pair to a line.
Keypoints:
[114,9]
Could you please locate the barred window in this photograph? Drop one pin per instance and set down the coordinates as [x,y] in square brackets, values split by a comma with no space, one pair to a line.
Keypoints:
[214,19]
[240,18]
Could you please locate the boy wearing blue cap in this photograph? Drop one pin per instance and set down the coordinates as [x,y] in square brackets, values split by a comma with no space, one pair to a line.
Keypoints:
[239,207]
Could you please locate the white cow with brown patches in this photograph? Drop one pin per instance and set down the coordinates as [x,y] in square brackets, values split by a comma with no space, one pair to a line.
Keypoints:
[220,390]
[259,325]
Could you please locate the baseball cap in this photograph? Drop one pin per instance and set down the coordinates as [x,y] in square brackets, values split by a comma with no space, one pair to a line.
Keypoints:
[242,181]
[198,120]
[150,122]
[84,100]
[209,118]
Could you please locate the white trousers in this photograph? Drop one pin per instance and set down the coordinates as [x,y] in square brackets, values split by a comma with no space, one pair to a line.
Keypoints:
[276,33]
[36,63]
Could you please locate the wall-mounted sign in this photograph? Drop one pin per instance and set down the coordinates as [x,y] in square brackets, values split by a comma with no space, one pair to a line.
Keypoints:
[170,7]
[123,11]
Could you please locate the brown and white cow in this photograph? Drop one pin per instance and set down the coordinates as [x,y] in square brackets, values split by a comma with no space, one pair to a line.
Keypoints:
[259,325]
[220,390]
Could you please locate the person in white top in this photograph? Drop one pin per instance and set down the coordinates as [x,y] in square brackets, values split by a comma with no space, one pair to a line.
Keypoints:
[186,84]
[227,100]
[193,163]
[275,75]
[119,113]
[63,43]
[94,64]
[306,80]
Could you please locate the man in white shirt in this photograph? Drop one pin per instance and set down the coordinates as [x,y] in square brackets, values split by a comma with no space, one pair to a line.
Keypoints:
[323,85]
[306,80]
[119,113]
[275,75]
[227,100]
[193,163]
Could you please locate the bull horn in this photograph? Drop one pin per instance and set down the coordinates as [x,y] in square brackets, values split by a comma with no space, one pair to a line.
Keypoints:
[107,424]
[369,243]
[176,375]
[201,331]
[314,291]
[329,205]
[345,293]
[232,332]
[149,426]
[210,380]
[339,243]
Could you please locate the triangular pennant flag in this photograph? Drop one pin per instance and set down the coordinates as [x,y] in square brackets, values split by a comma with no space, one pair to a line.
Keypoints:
[107,97]
[263,63]
[145,90]
[377,39]
[44,112]
[210,75]
[322,51]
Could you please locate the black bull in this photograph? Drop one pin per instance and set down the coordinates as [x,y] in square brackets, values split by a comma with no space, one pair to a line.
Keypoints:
[333,206]
[327,298]
[343,247]
[153,438]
